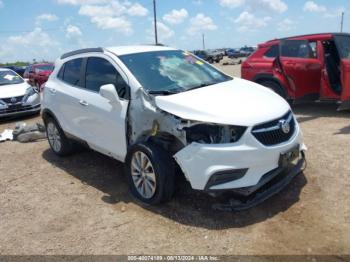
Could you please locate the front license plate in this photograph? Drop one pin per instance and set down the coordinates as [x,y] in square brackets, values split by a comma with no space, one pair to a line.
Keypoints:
[289,156]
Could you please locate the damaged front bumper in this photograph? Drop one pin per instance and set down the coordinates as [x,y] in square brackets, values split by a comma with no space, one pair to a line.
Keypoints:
[242,168]
[271,183]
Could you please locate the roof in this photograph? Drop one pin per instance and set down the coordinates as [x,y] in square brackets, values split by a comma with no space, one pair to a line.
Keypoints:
[125,50]
[319,36]
[2,69]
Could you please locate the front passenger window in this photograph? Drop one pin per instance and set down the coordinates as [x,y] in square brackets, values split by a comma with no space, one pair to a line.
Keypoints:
[101,72]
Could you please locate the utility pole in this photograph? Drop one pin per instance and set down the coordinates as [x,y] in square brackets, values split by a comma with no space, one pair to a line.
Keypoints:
[342,22]
[203,42]
[155,22]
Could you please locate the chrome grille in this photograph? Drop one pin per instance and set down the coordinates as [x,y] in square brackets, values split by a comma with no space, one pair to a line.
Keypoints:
[10,100]
[276,131]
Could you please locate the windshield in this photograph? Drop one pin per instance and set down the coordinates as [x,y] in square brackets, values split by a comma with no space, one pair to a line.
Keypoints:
[171,71]
[343,44]
[9,78]
[45,67]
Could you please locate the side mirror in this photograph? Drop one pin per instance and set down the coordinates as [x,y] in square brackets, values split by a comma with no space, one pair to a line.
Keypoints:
[108,91]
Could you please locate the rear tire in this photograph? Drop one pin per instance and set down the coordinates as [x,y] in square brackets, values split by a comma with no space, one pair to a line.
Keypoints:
[150,172]
[274,87]
[58,141]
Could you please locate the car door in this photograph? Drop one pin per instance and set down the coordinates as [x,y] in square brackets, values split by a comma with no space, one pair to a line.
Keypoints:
[64,92]
[343,45]
[104,123]
[301,66]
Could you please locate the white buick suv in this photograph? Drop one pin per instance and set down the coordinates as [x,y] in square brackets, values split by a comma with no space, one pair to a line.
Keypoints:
[156,108]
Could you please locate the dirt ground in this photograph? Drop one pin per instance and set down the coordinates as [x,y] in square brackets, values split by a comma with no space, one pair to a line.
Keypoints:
[81,204]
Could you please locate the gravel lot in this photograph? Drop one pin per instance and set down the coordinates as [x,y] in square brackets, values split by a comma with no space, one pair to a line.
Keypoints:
[81,204]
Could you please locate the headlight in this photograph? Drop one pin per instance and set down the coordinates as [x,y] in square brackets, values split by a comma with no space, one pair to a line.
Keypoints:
[214,134]
[2,103]
[30,92]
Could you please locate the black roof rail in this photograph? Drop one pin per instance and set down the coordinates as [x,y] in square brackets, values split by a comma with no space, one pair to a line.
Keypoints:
[82,51]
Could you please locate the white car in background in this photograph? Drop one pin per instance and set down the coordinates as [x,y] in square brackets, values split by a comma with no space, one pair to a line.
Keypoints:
[157,107]
[17,97]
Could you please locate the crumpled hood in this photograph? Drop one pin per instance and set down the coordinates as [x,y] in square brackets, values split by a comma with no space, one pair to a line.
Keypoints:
[13,90]
[236,102]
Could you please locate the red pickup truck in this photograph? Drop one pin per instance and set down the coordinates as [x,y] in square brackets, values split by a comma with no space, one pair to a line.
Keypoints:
[37,74]
[307,67]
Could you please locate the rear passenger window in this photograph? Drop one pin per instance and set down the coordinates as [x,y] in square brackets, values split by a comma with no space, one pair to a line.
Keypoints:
[71,74]
[273,52]
[298,48]
[101,72]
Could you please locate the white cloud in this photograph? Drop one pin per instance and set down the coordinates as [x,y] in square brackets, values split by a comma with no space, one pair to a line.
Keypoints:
[1,4]
[248,22]
[37,36]
[46,17]
[267,5]
[311,6]
[113,15]
[120,24]
[35,44]
[137,10]
[231,3]
[286,25]
[96,10]
[201,23]
[82,2]
[176,16]
[73,32]
[163,32]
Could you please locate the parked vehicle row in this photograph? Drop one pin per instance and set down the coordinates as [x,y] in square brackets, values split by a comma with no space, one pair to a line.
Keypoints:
[209,56]
[156,107]
[304,68]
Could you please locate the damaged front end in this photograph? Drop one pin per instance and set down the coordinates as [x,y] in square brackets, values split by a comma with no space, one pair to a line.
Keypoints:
[217,158]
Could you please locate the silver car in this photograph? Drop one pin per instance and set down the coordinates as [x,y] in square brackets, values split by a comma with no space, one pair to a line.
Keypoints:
[17,97]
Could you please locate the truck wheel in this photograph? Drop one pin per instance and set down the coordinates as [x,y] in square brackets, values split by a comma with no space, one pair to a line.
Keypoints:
[274,87]
[211,60]
[58,141]
[150,173]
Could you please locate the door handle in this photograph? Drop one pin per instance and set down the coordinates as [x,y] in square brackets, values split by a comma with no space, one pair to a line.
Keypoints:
[83,103]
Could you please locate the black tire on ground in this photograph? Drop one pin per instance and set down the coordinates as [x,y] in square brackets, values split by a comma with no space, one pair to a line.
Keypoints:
[274,87]
[59,143]
[211,60]
[163,167]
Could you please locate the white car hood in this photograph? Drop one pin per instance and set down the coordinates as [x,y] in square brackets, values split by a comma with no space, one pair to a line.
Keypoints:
[236,102]
[13,90]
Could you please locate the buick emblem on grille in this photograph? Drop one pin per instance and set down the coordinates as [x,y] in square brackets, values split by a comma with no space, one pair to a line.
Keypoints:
[285,126]
[13,100]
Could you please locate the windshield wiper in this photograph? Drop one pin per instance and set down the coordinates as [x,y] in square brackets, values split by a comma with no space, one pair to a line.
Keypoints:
[163,92]
[202,85]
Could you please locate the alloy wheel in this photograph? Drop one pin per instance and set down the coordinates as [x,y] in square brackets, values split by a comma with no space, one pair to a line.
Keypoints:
[54,137]
[143,175]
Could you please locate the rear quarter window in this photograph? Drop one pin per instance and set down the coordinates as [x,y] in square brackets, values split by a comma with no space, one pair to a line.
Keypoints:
[272,52]
[70,72]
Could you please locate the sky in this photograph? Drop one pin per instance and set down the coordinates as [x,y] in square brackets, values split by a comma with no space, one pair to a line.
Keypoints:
[44,29]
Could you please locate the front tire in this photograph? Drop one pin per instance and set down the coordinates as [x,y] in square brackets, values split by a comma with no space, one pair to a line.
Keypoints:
[150,173]
[274,87]
[58,141]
